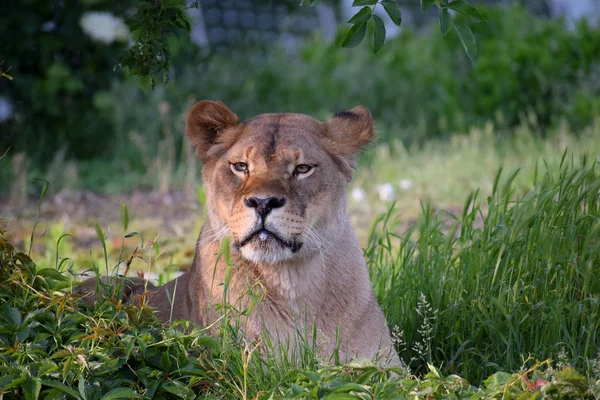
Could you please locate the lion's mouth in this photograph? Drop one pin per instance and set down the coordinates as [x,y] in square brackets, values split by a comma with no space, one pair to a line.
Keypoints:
[265,237]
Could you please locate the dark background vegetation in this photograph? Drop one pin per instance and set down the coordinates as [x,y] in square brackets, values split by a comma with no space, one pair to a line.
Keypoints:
[71,101]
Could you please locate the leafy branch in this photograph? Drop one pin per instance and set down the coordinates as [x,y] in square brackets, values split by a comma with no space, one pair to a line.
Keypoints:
[366,15]
[151,26]
[156,20]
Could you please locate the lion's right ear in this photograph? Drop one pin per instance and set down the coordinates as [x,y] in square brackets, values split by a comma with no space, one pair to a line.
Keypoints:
[205,121]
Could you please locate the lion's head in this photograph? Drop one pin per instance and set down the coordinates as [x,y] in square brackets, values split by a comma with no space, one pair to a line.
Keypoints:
[277,182]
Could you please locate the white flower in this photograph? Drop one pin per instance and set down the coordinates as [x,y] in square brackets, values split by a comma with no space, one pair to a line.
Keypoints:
[406,184]
[104,27]
[386,192]
[358,195]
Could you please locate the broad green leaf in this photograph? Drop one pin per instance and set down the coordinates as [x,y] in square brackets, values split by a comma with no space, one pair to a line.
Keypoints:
[120,393]
[379,34]
[53,274]
[468,40]
[31,388]
[145,83]
[9,382]
[62,387]
[363,15]
[393,11]
[445,21]
[462,7]
[427,4]
[499,379]
[165,362]
[341,396]
[355,35]
[178,389]
[358,3]
[13,315]
[351,387]
[81,388]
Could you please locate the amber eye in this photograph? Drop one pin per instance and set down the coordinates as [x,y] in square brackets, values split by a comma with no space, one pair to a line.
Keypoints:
[240,166]
[302,169]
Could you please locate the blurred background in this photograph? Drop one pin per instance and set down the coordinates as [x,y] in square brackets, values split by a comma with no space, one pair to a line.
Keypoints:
[70,115]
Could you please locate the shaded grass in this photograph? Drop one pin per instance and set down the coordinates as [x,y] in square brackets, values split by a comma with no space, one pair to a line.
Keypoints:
[521,282]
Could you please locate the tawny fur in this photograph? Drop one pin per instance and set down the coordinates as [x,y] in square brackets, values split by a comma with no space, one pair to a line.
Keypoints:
[321,279]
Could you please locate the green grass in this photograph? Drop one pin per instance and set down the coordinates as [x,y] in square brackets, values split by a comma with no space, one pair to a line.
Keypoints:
[493,288]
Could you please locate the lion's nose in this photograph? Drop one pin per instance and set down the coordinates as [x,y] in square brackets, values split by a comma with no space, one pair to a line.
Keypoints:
[264,205]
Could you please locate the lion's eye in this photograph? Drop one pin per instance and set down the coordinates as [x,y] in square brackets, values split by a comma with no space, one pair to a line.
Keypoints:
[240,166]
[302,169]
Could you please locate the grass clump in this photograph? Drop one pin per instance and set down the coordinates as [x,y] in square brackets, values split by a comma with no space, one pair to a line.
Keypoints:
[493,287]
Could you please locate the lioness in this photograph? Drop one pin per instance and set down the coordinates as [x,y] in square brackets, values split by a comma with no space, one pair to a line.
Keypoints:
[276,184]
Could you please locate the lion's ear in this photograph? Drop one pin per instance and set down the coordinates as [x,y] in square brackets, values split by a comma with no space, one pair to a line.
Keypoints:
[351,130]
[205,121]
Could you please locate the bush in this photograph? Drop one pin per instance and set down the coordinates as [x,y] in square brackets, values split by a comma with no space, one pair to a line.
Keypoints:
[529,70]
[61,79]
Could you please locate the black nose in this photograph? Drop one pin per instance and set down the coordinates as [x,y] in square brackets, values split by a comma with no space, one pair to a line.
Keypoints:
[264,206]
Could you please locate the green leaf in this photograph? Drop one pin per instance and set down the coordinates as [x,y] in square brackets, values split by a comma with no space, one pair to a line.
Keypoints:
[363,15]
[53,274]
[120,393]
[355,35]
[9,382]
[498,380]
[178,389]
[12,315]
[358,3]
[427,4]
[445,21]
[351,387]
[462,7]
[468,40]
[81,387]
[145,83]
[100,234]
[393,11]
[379,34]
[124,216]
[44,190]
[31,388]
[131,234]
[62,387]
[165,362]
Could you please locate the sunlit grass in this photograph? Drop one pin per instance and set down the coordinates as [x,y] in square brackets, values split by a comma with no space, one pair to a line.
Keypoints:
[443,172]
[517,279]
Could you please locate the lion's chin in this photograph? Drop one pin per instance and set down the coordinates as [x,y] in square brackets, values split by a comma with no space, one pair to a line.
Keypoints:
[266,253]
[264,247]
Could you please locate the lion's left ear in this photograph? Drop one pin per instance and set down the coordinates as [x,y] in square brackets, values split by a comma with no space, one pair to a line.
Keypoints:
[351,130]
